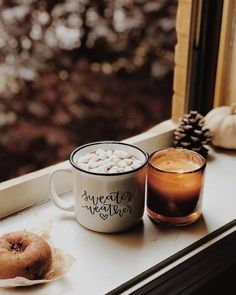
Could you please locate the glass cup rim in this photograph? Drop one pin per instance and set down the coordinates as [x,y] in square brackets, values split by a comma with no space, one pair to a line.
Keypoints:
[146,156]
[201,167]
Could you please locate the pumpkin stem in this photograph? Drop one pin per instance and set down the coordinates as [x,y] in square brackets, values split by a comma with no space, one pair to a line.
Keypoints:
[233,109]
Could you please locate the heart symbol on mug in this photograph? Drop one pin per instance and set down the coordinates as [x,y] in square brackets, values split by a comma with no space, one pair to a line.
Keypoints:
[103,216]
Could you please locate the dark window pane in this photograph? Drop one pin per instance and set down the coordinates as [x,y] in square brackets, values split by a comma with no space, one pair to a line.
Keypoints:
[74,71]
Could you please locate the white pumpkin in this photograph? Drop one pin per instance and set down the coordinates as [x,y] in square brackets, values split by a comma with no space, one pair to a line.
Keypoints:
[222,123]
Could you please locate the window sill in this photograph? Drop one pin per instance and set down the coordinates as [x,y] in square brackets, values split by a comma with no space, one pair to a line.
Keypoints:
[148,259]
[32,188]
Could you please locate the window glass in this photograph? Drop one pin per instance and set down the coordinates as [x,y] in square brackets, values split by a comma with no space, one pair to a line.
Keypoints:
[73,72]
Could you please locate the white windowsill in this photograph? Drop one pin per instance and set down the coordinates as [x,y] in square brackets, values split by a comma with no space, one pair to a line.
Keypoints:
[32,188]
[150,256]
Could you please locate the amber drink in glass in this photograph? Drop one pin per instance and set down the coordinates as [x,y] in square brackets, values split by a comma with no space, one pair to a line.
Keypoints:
[175,181]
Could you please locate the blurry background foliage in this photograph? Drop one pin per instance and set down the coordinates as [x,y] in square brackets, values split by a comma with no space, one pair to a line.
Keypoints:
[77,71]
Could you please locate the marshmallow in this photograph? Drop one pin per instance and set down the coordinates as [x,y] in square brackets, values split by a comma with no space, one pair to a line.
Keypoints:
[135,164]
[121,154]
[121,164]
[83,159]
[103,156]
[92,165]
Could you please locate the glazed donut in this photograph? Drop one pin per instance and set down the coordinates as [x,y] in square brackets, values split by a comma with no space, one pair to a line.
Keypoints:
[24,254]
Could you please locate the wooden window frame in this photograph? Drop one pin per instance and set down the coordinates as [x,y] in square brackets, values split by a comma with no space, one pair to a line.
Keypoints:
[205,58]
[182,56]
[225,86]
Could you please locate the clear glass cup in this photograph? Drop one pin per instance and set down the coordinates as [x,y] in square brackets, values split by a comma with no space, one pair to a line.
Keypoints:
[175,182]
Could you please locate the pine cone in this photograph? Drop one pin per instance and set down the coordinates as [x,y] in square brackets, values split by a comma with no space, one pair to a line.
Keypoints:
[191,134]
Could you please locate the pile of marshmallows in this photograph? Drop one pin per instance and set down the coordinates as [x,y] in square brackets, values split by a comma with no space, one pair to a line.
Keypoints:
[108,161]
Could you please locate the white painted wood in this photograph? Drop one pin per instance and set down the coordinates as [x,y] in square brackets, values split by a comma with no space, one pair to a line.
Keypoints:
[105,261]
[25,191]
[188,272]
[231,93]
[225,85]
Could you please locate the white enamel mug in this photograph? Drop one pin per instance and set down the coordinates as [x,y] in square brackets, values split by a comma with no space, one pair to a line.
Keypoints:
[105,202]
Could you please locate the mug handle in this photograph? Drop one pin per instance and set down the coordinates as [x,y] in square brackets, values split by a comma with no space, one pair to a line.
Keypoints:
[54,196]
